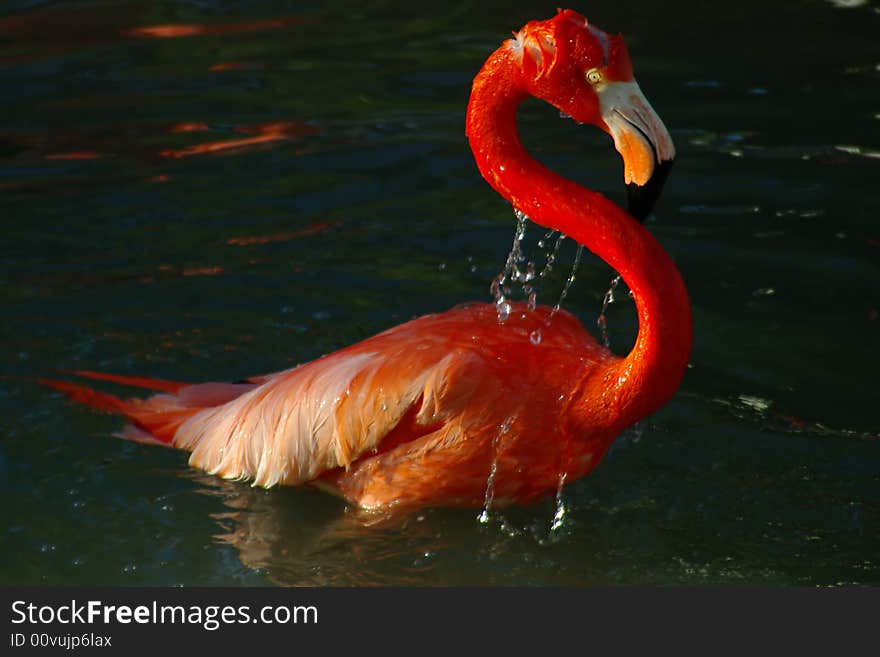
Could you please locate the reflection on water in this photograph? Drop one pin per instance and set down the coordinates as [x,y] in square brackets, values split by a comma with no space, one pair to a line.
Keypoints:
[315,541]
[128,144]
[176,31]
[848,4]
[206,191]
[768,415]
[263,134]
[63,181]
[305,538]
[314,229]
[72,27]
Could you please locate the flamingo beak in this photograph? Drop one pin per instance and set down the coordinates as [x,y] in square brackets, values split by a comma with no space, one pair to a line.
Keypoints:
[641,139]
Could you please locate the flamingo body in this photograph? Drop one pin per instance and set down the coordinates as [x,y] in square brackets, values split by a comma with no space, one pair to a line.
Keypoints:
[422,412]
[466,408]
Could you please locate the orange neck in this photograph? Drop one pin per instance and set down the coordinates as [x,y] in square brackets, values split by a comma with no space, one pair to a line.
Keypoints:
[627,389]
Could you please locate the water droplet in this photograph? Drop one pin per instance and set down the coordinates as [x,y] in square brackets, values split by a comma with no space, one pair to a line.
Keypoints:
[602,322]
[495,287]
[535,337]
[550,258]
[559,515]
[500,287]
[571,279]
[636,432]
[483,516]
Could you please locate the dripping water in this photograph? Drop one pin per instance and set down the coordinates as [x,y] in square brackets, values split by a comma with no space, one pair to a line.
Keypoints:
[557,523]
[570,280]
[483,516]
[635,432]
[602,322]
[550,257]
[559,513]
[500,287]
[521,271]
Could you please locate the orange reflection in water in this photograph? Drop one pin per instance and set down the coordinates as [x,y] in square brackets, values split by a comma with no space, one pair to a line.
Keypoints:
[174,31]
[202,271]
[313,229]
[286,128]
[262,134]
[231,66]
[48,31]
[195,126]
[127,144]
[78,155]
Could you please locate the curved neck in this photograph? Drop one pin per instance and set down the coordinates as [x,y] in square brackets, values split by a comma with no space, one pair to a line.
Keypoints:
[628,388]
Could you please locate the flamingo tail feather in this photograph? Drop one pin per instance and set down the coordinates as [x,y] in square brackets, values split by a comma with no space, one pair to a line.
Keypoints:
[161,385]
[157,418]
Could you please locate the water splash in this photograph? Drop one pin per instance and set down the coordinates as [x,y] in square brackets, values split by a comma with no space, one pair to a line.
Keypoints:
[570,280]
[602,322]
[636,432]
[533,296]
[559,514]
[518,269]
[550,258]
[483,517]
[500,287]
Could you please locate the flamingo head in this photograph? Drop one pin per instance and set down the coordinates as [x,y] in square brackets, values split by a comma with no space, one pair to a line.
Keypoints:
[587,74]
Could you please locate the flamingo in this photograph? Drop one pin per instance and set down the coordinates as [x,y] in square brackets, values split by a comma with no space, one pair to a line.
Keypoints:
[465,407]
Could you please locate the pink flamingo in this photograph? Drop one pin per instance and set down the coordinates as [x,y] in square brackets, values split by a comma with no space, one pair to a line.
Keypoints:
[429,411]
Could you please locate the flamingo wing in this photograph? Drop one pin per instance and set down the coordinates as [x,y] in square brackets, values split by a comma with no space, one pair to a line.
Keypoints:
[324,415]
[401,417]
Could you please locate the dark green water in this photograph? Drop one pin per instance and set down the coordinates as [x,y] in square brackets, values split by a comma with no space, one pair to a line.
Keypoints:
[126,249]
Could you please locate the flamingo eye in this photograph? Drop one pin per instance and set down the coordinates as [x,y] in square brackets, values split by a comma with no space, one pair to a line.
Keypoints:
[594,76]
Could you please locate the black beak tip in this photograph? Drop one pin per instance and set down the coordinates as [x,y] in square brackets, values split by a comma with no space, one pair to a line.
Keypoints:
[642,198]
